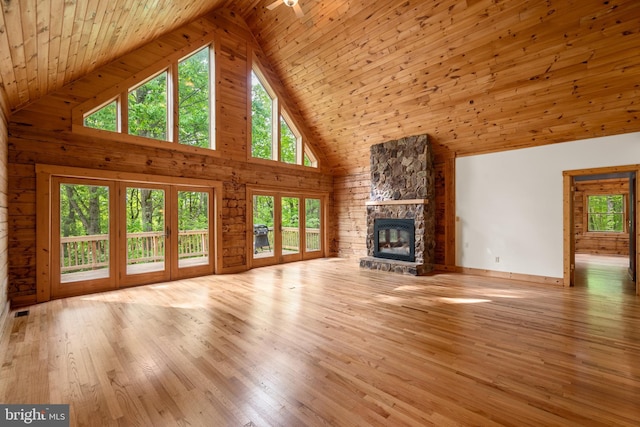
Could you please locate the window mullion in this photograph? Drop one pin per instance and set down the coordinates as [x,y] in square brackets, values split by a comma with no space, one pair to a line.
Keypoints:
[213,71]
[275,122]
[123,106]
[172,103]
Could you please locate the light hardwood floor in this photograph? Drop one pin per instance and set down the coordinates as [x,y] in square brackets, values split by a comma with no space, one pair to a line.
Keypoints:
[324,343]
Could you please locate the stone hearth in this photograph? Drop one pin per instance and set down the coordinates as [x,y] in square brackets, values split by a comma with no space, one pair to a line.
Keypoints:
[402,187]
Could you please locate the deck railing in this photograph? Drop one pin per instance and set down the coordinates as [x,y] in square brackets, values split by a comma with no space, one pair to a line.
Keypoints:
[291,239]
[80,253]
[84,253]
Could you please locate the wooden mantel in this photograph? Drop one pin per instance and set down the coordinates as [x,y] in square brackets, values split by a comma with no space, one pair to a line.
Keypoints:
[397,202]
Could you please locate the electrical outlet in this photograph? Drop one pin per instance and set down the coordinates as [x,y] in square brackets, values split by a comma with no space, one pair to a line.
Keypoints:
[497,259]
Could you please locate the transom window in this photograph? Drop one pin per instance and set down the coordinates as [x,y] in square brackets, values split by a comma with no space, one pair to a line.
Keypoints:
[148,107]
[606,213]
[274,135]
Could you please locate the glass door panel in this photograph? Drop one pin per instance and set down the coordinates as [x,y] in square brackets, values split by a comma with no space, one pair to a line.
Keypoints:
[290,229]
[263,226]
[145,246]
[193,228]
[82,236]
[313,232]
[277,228]
[84,232]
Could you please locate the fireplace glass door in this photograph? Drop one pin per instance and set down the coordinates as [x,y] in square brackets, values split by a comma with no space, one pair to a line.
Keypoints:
[394,239]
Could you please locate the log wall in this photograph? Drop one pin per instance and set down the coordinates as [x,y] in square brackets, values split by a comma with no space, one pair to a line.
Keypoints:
[42,133]
[598,243]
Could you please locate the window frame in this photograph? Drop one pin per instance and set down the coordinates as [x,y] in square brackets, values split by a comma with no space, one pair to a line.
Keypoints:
[279,112]
[120,92]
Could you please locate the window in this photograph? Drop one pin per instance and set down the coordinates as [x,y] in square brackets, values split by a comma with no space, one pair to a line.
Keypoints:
[262,107]
[606,213]
[274,135]
[194,100]
[104,118]
[288,143]
[309,158]
[148,108]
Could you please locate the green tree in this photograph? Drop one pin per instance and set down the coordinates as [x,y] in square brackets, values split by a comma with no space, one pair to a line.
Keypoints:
[261,120]
[290,211]
[84,210]
[288,143]
[194,105]
[606,212]
[105,118]
[312,213]
[193,210]
[145,210]
[148,109]
[263,210]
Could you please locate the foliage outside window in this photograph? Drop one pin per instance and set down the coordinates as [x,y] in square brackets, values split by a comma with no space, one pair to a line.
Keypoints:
[261,120]
[263,210]
[194,100]
[148,108]
[606,213]
[264,135]
[288,143]
[84,230]
[105,118]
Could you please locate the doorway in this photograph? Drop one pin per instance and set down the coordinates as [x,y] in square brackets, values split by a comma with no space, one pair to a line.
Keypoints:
[600,222]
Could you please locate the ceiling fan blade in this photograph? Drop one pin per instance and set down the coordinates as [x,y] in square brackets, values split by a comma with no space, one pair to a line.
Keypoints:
[274,4]
[298,10]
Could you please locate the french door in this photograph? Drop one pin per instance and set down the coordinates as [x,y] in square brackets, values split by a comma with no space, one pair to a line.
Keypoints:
[143,241]
[108,234]
[83,230]
[285,227]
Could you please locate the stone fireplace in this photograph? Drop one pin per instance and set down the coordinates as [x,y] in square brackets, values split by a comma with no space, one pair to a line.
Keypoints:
[402,192]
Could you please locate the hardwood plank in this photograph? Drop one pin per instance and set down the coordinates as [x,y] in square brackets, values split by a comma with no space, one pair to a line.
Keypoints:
[324,342]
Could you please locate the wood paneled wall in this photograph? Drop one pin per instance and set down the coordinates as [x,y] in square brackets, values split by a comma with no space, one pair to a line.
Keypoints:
[41,133]
[350,194]
[598,243]
[4,208]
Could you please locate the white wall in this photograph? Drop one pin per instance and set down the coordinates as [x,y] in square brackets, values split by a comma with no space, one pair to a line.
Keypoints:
[509,204]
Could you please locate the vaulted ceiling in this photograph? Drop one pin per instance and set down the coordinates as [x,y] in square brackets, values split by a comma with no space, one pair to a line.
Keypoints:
[476,75]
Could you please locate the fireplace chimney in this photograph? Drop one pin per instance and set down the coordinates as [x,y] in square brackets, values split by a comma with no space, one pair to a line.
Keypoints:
[402,188]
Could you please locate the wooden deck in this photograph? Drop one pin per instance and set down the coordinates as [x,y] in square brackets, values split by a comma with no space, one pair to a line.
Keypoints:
[324,343]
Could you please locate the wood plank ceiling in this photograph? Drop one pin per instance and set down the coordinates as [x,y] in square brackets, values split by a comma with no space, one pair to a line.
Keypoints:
[476,75]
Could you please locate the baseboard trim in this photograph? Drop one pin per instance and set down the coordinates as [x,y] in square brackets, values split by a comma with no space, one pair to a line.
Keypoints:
[545,280]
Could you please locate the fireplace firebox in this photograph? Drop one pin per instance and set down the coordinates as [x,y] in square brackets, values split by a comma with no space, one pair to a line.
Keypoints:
[394,239]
